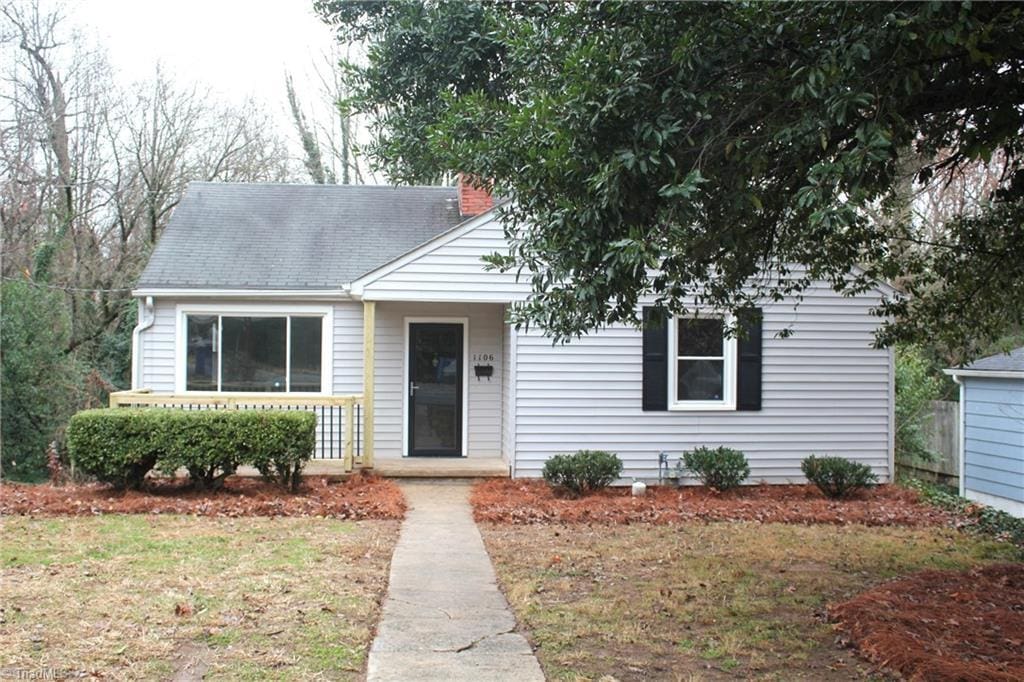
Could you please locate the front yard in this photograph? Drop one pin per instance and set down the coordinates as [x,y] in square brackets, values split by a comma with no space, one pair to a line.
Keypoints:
[159,596]
[610,593]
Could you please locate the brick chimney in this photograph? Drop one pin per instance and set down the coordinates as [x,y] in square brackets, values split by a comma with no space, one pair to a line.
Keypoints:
[473,201]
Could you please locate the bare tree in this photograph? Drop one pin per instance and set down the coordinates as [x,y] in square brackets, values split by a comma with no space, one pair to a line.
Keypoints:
[92,171]
[330,136]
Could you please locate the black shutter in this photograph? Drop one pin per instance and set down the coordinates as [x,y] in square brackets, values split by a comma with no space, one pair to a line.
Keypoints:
[655,390]
[748,381]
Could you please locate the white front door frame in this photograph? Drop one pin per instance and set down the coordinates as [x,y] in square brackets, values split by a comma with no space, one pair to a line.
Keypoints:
[406,322]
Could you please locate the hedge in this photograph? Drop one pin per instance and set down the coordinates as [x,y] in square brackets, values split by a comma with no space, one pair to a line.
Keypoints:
[121,445]
[582,472]
[720,468]
[837,477]
[117,446]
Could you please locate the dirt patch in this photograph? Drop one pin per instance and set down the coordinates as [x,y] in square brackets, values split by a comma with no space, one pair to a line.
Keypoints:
[942,625]
[191,662]
[359,497]
[534,502]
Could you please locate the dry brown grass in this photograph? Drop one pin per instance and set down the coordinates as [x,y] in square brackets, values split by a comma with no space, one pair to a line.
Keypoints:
[142,597]
[706,601]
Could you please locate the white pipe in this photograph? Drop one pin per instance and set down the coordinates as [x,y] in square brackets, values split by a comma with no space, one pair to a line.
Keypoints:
[146,319]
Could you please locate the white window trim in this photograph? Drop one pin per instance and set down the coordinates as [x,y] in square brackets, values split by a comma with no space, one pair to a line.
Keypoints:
[729,372]
[464,321]
[255,310]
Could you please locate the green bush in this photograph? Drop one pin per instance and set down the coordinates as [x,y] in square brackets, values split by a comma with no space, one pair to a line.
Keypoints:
[41,382]
[916,387]
[279,444]
[206,443]
[116,446]
[121,445]
[837,477]
[720,468]
[582,472]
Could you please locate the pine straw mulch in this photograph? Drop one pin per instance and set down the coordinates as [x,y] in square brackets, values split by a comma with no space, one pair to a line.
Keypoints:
[534,502]
[942,625]
[358,497]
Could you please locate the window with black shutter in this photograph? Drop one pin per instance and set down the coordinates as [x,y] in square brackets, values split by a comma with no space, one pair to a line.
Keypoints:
[689,364]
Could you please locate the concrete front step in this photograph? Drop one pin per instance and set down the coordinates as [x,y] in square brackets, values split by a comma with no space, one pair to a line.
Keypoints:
[408,467]
[442,467]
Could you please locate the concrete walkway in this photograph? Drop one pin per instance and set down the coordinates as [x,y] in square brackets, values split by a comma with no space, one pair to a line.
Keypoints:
[444,618]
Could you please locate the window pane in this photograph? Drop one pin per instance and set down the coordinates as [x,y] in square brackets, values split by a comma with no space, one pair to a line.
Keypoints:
[700,380]
[306,353]
[201,361]
[701,337]
[253,354]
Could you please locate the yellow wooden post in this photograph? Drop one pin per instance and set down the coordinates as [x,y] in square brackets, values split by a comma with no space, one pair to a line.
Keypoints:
[369,323]
[350,433]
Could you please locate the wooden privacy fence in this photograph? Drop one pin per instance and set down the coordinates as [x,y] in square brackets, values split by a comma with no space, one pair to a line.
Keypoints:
[339,419]
[942,437]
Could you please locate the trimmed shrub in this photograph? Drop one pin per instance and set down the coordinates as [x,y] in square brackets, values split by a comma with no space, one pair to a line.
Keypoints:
[116,446]
[720,468]
[121,445]
[582,472]
[279,444]
[207,443]
[837,477]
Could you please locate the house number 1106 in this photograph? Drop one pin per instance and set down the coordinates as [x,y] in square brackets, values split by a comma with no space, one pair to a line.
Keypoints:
[483,357]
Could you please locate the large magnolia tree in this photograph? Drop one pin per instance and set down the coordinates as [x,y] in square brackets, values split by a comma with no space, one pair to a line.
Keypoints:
[737,150]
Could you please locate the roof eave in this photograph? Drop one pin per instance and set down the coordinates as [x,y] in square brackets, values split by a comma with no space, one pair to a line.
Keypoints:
[304,294]
[987,373]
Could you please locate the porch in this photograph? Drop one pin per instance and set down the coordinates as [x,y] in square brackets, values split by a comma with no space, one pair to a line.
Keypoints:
[408,388]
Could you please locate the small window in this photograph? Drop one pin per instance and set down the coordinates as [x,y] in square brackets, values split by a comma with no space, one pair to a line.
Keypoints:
[254,354]
[703,374]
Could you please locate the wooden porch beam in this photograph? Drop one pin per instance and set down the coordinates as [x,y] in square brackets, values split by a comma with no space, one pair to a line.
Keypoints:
[369,326]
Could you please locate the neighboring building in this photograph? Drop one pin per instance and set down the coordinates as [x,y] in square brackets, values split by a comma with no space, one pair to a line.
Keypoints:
[375,300]
[992,430]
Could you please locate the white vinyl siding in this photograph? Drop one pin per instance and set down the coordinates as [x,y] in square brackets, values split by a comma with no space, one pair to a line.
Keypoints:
[825,391]
[453,271]
[484,397]
[156,345]
[348,348]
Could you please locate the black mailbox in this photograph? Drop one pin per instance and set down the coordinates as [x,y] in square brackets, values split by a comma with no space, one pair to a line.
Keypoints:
[483,371]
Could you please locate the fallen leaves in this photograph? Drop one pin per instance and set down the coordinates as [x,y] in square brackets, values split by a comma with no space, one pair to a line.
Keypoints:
[942,624]
[534,502]
[359,497]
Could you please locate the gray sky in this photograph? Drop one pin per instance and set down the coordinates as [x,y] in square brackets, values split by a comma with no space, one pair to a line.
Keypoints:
[237,47]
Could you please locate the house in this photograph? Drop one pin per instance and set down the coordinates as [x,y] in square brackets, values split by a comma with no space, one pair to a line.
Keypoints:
[371,305]
[992,430]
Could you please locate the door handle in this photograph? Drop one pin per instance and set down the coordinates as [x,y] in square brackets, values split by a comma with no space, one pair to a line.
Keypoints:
[412,388]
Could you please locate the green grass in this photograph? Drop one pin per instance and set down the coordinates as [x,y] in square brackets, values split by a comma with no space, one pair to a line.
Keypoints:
[722,601]
[286,598]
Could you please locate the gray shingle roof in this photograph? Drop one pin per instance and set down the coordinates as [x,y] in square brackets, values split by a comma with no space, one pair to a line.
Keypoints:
[1003,362]
[276,236]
